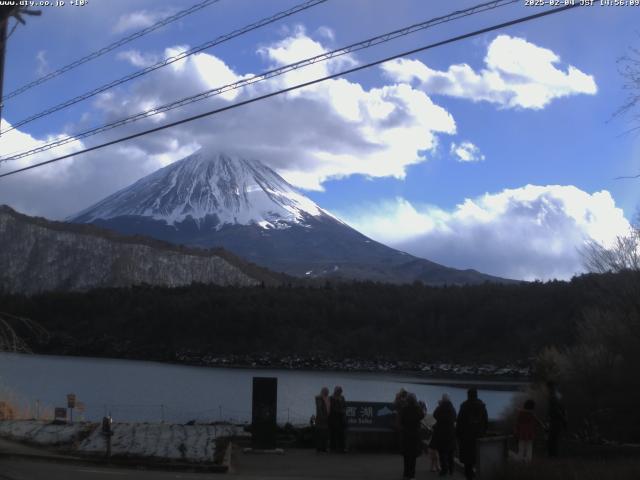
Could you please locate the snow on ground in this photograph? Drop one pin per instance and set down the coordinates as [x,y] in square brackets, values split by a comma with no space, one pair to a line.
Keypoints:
[188,443]
[44,433]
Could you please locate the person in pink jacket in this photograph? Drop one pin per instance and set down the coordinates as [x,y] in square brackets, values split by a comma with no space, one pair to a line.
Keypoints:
[526,426]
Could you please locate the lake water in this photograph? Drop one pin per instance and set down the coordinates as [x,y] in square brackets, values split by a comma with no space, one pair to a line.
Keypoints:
[150,391]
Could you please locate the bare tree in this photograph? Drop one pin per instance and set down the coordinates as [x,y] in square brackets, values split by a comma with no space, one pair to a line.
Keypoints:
[629,68]
[14,329]
[623,255]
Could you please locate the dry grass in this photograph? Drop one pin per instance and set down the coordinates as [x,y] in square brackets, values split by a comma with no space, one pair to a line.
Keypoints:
[573,469]
[12,407]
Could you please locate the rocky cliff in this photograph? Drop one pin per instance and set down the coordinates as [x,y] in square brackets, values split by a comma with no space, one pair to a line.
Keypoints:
[39,255]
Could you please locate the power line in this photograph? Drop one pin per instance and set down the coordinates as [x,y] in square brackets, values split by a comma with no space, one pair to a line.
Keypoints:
[110,47]
[266,75]
[300,85]
[168,61]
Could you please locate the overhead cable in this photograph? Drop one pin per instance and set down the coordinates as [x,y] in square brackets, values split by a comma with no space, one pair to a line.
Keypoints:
[264,76]
[167,61]
[299,86]
[108,48]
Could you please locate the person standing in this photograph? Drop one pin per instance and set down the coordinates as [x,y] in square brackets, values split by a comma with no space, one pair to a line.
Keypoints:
[444,434]
[323,407]
[471,424]
[410,416]
[557,419]
[337,421]
[525,430]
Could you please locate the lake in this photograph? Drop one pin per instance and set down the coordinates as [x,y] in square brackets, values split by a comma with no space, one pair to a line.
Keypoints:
[150,391]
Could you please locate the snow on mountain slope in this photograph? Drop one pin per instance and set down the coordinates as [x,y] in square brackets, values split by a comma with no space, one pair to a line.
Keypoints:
[235,190]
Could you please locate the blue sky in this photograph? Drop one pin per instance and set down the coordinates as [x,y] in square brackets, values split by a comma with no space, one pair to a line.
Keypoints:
[383,149]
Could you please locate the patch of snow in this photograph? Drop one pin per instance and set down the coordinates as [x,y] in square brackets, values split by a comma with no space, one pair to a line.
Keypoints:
[189,443]
[43,433]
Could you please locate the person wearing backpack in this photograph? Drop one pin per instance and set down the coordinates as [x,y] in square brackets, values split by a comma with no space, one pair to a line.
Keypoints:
[444,434]
[322,420]
[410,416]
[337,421]
[472,424]
[557,419]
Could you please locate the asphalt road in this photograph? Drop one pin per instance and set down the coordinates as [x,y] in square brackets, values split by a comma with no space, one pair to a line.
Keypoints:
[291,466]
[18,469]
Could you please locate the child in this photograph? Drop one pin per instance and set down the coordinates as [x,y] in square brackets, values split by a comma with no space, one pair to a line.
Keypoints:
[526,431]
[434,457]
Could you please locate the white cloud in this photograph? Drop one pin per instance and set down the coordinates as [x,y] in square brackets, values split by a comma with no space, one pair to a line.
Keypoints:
[532,232]
[42,64]
[17,141]
[326,32]
[518,74]
[137,58]
[140,19]
[329,130]
[466,152]
[65,187]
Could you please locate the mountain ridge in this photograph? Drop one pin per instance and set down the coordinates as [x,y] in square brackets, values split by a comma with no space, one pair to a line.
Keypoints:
[41,255]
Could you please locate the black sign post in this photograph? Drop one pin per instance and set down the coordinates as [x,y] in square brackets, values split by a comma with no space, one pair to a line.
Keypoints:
[107,432]
[60,415]
[263,417]
[71,404]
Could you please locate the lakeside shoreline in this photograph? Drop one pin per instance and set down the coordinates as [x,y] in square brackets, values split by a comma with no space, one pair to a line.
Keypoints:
[490,376]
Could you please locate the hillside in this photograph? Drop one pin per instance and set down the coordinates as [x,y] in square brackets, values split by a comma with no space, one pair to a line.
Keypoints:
[40,255]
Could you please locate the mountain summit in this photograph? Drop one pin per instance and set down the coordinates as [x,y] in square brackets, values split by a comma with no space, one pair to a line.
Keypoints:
[214,188]
[213,199]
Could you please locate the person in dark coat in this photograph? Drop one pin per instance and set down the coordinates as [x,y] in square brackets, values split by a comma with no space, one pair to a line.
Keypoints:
[323,405]
[410,416]
[557,418]
[444,434]
[471,424]
[398,404]
[337,421]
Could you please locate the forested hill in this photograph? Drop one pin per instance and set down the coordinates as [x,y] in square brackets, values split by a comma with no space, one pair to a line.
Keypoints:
[489,322]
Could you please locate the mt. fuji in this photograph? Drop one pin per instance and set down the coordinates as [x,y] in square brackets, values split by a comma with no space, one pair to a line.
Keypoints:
[213,199]
[218,188]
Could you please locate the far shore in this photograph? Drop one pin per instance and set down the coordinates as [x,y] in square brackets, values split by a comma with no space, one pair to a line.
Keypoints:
[488,376]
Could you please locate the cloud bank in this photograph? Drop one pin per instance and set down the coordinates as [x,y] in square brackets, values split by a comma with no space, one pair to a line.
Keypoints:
[532,232]
[518,74]
[330,130]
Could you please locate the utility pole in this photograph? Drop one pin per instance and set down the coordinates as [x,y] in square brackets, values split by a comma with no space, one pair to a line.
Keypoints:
[5,14]
[4,22]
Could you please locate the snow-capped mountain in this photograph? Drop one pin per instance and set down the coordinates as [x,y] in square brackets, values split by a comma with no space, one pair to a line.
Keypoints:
[235,190]
[213,199]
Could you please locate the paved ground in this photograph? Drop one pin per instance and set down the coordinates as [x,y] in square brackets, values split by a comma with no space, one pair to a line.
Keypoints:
[7,446]
[40,470]
[309,465]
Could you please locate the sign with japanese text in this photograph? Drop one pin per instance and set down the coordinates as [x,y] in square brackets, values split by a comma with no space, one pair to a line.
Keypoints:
[378,416]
